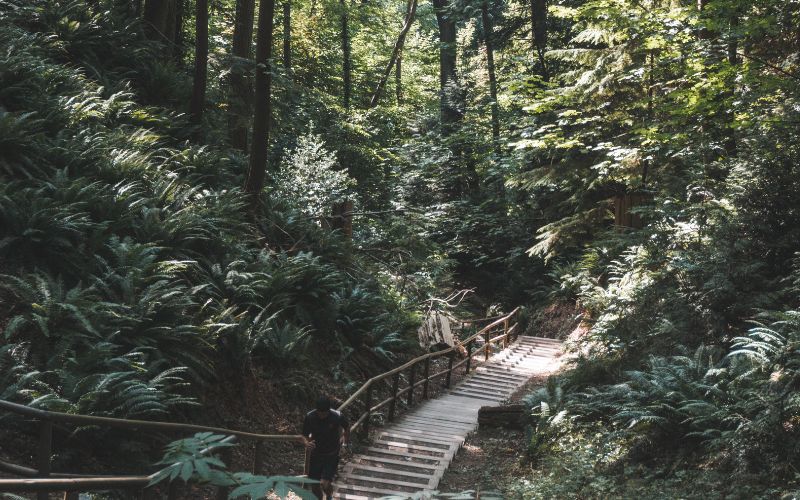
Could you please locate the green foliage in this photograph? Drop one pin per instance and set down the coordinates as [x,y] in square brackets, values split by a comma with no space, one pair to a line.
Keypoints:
[193,459]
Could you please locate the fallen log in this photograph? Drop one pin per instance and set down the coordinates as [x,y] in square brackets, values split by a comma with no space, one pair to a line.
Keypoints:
[508,416]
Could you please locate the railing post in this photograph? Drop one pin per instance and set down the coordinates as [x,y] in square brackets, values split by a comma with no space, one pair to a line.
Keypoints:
[43,454]
[427,372]
[449,369]
[486,338]
[172,490]
[307,465]
[395,386]
[507,339]
[227,457]
[411,376]
[469,356]
[258,460]
[368,402]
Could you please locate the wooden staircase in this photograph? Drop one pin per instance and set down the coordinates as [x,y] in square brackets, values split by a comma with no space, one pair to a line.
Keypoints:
[412,453]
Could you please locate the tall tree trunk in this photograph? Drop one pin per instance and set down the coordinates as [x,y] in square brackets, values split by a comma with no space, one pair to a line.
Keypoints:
[180,46]
[287,35]
[197,104]
[539,33]
[398,48]
[239,106]
[398,78]
[159,22]
[730,145]
[448,81]
[346,60]
[650,109]
[257,170]
[488,31]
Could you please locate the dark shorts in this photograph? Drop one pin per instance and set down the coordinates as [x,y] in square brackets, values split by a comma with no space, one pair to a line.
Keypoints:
[323,467]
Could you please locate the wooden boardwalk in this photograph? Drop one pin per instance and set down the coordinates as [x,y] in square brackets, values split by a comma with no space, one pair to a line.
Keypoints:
[411,454]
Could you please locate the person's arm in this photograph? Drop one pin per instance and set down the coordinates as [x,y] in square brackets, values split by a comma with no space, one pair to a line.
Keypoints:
[309,443]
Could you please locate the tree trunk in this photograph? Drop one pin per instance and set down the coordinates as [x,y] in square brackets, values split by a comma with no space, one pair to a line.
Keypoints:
[240,103]
[398,78]
[287,35]
[197,104]
[650,109]
[450,98]
[488,31]
[159,22]
[257,170]
[398,48]
[346,61]
[539,32]
[180,47]
[730,145]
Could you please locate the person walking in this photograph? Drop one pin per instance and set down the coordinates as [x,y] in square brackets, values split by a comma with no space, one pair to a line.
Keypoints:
[325,432]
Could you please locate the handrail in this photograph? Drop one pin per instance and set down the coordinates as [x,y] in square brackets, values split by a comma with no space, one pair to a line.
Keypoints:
[378,378]
[70,418]
[48,482]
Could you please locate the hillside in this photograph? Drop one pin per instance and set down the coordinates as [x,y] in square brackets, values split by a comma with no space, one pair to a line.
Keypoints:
[213,212]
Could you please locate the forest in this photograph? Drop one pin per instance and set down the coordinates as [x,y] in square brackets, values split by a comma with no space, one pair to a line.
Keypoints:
[212,211]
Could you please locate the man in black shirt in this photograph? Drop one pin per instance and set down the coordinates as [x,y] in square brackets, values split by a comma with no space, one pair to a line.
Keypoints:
[322,431]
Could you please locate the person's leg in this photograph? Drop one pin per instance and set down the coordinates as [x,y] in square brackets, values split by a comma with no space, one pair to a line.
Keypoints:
[327,488]
[315,470]
[328,473]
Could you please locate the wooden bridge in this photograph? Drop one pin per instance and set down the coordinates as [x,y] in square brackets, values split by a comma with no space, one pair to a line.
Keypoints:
[409,455]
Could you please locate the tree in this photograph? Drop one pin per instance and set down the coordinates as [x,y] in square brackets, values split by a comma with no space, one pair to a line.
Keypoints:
[488,31]
[347,63]
[450,97]
[395,57]
[287,35]
[239,104]
[160,20]
[539,32]
[197,103]
[257,171]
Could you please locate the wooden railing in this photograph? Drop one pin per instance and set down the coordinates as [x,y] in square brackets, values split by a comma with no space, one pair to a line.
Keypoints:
[392,378]
[42,480]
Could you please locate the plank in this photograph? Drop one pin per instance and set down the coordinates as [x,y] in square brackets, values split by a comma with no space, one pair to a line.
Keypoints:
[387,470]
[383,480]
[404,463]
[481,397]
[406,454]
[420,430]
[418,439]
[441,424]
[413,447]
[366,489]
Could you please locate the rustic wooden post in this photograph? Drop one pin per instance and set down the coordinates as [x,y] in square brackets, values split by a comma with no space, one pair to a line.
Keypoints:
[368,403]
[227,457]
[307,465]
[395,386]
[469,356]
[173,491]
[486,340]
[507,339]
[43,454]
[411,375]
[258,460]
[427,372]
[449,369]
